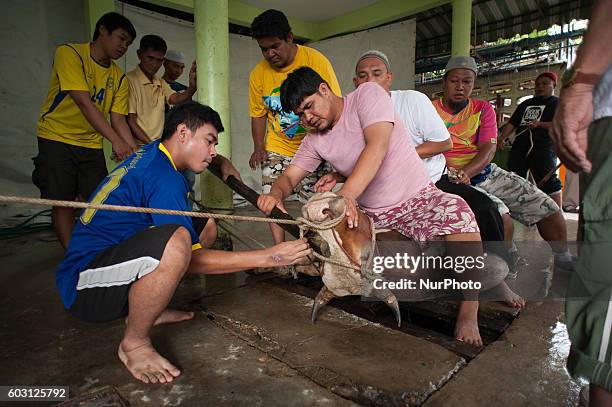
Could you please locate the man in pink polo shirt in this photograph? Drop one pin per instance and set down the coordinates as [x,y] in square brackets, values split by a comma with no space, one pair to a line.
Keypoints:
[364,139]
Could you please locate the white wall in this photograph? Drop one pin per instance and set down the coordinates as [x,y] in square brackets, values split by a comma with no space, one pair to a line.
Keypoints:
[244,54]
[397,41]
[30,30]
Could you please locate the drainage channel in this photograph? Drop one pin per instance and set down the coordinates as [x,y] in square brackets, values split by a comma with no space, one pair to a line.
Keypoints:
[430,320]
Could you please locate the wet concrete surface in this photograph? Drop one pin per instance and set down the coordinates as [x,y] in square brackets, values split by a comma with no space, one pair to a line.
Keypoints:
[525,367]
[341,360]
[44,345]
[353,357]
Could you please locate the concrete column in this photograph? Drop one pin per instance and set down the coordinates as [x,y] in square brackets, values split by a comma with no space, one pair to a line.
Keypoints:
[94,9]
[212,50]
[462,20]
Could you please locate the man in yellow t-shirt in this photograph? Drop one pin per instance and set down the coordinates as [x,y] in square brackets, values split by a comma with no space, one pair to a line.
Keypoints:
[86,90]
[277,135]
[149,93]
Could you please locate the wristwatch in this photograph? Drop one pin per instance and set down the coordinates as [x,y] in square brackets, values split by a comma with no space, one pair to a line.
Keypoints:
[573,76]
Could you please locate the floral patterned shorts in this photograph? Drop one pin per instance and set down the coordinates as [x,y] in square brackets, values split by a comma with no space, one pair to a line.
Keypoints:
[429,214]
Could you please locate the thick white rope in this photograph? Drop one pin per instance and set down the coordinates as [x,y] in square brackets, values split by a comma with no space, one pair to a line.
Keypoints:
[301,222]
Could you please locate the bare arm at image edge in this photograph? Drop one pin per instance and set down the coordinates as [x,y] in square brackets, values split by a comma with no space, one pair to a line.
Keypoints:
[575,110]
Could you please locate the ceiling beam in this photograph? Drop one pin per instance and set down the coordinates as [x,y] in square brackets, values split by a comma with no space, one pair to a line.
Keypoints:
[243,14]
[182,5]
[381,12]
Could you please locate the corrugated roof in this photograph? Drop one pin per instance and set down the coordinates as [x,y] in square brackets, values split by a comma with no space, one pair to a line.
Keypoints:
[494,19]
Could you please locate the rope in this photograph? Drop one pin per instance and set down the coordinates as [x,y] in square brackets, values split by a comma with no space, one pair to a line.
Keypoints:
[120,208]
[302,223]
[530,141]
[521,132]
[549,173]
[229,228]
[328,224]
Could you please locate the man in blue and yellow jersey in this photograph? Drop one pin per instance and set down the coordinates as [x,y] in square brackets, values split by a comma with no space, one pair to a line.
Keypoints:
[275,147]
[129,264]
[86,89]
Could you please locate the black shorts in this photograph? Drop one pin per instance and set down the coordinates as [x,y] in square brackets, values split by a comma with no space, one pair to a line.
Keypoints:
[104,286]
[540,161]
[63,171]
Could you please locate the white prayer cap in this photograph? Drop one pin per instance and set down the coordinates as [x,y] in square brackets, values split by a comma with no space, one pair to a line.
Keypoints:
[373,53]
[175,56]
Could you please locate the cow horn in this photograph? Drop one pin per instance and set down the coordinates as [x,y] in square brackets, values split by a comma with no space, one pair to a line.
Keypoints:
[390,300]
[383,294]
[323,297]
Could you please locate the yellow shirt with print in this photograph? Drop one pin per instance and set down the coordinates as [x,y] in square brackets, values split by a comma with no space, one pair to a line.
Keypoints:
[285,133]
[60,118]
[148,101]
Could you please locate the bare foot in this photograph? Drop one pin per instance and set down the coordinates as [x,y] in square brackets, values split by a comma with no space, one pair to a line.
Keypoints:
[466,326]
[145,364]
[170,316]
[508,297]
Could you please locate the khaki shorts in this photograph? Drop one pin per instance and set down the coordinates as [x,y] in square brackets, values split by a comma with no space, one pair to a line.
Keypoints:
[277,163]
[501,206]
[513,193]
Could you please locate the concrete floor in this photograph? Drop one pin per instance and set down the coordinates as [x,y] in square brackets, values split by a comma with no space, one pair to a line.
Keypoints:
[252,343]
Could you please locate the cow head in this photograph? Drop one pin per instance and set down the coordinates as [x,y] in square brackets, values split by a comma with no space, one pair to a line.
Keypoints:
[323,206]
[350,246]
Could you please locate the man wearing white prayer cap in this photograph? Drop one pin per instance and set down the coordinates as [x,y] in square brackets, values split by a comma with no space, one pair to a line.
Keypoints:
[174,64]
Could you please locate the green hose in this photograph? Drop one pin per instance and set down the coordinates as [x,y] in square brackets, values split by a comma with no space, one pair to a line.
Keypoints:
[27,226]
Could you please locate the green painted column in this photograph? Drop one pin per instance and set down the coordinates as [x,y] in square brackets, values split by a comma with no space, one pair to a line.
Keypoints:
[462,23]
[212,57]
[94,9]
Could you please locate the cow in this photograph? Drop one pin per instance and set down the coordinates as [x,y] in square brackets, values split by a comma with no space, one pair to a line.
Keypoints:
[356,247]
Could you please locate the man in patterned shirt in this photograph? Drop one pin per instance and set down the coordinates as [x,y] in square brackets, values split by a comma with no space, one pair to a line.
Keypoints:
[471,123]
[277,135]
